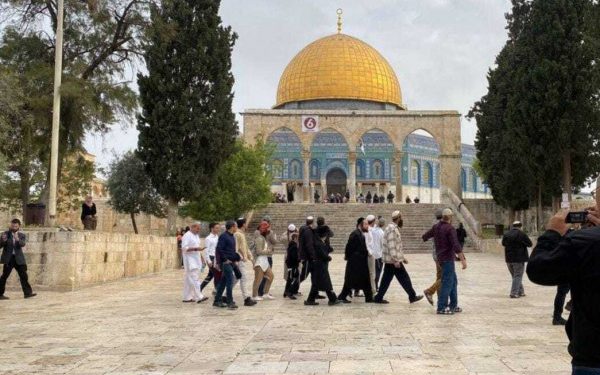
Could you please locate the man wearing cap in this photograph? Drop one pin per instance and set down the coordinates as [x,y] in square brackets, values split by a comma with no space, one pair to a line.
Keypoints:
[393,257]
[447,248]
[12,243]
[515,243]
[245,263]
[357,267]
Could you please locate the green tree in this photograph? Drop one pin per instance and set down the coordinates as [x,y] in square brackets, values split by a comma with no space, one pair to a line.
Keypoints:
[186,126]
[240,185]
[130,188]
[102,41]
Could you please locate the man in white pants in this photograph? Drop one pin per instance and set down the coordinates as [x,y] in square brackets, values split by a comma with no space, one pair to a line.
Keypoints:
[192,263]
[245,264]
[371,249]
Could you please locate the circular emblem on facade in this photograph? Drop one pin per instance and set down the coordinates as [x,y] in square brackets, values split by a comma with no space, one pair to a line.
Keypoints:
[310,123]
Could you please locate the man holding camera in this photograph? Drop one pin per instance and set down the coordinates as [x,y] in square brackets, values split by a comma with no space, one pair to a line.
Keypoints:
[12,242]
[574,259]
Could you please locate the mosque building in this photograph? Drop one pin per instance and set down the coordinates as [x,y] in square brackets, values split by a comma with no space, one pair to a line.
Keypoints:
[339,125]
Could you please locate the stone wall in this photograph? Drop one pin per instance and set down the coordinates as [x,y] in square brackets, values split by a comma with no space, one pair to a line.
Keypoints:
[68,261]
[108,220]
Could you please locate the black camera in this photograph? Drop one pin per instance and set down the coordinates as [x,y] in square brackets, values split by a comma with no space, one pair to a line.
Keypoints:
[579,217]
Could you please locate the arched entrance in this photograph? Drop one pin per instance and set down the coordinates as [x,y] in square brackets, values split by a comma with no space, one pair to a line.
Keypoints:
[336,181]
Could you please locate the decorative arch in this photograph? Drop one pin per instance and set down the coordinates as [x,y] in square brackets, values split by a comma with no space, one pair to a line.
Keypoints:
[331,139]
[474,185]
[315,169]
[374,141]
[428,174]
[377,170]
[276,168]
[361,170]
[415,172]
[295,170]
[285,140]
[463,179]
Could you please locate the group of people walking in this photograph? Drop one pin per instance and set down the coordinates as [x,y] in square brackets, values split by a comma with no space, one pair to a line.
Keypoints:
[374,256]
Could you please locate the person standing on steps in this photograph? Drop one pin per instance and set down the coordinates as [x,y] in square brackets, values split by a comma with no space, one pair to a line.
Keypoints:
[320,279]
[357,268]
[245,263]
[515,243]
[211,247]
[12,243]
[435,287]
[393,257]
[447,248]
[192,263]
[390,197]
[227,258]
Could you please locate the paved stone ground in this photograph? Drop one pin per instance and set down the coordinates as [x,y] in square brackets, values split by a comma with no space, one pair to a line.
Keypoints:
[141,327]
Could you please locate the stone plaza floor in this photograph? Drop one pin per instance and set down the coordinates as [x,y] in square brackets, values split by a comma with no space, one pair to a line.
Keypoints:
[140,326]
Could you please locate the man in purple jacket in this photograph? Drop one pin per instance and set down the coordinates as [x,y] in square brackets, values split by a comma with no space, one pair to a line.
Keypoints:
[447,248]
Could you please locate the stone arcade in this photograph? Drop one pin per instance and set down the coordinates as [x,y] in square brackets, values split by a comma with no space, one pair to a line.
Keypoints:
[339,124]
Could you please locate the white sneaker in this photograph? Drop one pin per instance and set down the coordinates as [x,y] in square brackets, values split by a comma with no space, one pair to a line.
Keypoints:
[268,296]
[257,298]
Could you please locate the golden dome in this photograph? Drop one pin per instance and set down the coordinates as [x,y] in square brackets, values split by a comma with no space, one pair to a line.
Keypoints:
[339,67]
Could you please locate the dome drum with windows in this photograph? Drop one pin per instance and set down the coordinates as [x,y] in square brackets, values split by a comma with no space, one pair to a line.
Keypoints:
[365,140]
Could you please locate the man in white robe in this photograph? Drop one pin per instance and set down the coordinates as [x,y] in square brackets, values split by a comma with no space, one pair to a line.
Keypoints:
[193,261]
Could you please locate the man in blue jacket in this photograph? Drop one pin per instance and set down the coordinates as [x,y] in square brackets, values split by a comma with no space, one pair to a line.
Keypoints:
[12,243]
[226,258]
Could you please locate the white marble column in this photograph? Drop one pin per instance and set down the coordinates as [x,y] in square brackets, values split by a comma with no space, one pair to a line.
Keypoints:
[377,184]
[324,189]
[312,191]
[351,179]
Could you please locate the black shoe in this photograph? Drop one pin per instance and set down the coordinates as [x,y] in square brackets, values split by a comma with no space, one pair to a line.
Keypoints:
[417,299]
[219,304]
[31,295]
[381,301]
[559,322]
[513,296]
[333,303]
[232,306]
[344,300]
[249,302]
[202,299]
[320,297]
[569,306]
[3,297]
[188,301]
[310,303]
[369,301]
[224,299]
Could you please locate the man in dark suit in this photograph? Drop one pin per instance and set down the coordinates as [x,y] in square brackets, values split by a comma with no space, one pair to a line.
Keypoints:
[12,243]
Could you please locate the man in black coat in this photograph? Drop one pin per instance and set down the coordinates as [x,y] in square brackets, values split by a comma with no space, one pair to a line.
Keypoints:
[574,259]
[515,243]
[12,242]
[306,246]
[319,275]
[357,267]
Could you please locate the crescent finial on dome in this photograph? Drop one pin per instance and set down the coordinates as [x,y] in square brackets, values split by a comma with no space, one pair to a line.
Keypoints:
[339,12]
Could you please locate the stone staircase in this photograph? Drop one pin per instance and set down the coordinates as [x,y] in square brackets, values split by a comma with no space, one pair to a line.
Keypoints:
[341,218]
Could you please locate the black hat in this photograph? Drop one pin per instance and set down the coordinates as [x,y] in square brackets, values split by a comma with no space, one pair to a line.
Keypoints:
[360,221]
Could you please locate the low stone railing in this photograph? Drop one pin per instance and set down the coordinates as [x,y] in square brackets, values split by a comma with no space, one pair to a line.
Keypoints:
[68,261]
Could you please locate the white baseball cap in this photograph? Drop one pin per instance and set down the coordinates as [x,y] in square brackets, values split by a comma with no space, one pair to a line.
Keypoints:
[291,228]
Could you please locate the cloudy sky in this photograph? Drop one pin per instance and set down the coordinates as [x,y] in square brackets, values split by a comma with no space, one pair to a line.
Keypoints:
[440,49]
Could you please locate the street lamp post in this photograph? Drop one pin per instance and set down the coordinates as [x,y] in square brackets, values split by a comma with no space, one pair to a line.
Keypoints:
[56,113]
